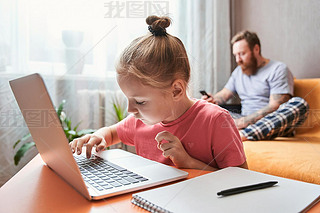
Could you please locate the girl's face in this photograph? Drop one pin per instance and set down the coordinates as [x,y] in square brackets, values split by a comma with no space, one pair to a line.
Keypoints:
[150,105]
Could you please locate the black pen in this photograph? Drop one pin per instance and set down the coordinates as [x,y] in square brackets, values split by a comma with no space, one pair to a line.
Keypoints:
[241,189]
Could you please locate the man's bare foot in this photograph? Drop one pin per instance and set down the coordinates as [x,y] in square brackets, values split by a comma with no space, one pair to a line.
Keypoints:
[243,138]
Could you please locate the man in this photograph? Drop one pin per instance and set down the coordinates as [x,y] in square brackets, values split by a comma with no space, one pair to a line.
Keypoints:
[263,85]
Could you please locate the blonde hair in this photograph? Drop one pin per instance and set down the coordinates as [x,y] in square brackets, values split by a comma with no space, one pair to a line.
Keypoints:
[156,59]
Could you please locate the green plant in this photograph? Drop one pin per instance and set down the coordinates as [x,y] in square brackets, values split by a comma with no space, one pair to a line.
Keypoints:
[71,133]
[120,108]
[120,112]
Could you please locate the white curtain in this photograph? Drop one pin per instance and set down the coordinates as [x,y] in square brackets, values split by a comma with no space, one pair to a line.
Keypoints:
[205,29]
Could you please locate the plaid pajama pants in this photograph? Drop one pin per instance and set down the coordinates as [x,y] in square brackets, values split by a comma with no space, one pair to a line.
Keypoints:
[281,122]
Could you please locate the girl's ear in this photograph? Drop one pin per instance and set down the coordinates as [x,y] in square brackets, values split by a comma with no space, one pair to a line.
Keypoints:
[178,89]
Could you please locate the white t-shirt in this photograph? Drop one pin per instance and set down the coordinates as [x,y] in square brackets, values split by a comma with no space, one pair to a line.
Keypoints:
[255,90]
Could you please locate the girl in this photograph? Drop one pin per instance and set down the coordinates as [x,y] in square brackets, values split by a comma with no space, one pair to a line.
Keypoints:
[165,125]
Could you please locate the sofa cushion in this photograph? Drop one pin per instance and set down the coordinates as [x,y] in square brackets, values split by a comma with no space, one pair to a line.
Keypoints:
[294,158]
[309,89]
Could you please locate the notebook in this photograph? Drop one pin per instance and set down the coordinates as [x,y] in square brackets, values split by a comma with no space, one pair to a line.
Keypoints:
[126,171]
[200,194]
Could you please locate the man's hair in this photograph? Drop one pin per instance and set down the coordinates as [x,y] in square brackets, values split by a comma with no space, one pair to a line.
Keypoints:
[250,37]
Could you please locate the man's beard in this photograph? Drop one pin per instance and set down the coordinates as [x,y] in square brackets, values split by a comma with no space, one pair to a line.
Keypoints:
[251,67]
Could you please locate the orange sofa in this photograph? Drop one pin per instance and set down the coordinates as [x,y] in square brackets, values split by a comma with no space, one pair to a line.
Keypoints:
[295,157]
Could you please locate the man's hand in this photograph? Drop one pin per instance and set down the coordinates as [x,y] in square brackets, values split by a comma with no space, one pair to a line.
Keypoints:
[173,149]
[209,98]
[219,98]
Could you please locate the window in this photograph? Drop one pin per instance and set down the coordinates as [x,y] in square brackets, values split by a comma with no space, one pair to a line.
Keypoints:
[74,45]
[71,37]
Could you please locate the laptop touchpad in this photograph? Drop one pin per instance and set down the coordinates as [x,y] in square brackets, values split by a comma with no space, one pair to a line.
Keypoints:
[132,162]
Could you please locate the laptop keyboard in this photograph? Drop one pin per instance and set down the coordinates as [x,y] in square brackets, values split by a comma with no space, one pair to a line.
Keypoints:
[104,175]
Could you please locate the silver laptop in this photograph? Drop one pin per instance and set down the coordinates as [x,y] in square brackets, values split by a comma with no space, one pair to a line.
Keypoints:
[105,174]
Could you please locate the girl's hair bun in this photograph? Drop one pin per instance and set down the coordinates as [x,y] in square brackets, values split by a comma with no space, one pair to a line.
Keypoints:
[158,25]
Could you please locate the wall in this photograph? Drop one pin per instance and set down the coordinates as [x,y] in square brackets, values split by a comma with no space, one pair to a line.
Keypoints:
[289,31]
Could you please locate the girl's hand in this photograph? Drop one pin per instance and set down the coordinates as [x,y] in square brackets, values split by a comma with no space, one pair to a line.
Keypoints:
[90,140]
[173,149]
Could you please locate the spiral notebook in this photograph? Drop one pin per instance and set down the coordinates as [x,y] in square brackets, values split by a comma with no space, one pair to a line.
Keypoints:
[200,194]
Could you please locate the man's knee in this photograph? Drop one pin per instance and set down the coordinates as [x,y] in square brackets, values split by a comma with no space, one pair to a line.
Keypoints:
[297,111]
[298,103]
